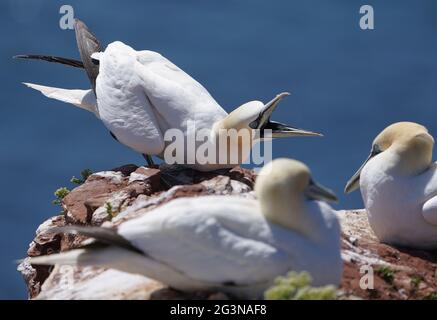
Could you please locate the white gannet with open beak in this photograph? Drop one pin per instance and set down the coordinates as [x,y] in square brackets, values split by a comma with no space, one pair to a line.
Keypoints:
[399,186]
[228,243]
[139,95]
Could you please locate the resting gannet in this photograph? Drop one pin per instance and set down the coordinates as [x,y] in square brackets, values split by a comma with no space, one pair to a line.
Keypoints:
[228,243]
[139,95]
[399,186]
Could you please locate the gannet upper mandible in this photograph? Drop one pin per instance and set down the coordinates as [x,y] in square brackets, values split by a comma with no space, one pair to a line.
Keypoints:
[229,243]
[139,95]
[399,186]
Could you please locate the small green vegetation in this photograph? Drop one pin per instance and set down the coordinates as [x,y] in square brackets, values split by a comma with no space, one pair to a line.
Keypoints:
[386,273]
[84,175]
[431,296]
[416,281]
[60,194]
[109,210]
[296,286]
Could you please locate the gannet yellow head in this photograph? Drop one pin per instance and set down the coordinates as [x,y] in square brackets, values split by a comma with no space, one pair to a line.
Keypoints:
[283,186]
[255,115]
[410,141]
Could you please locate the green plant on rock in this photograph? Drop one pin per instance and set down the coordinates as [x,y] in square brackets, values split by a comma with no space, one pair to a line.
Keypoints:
[60,194]
[296,286]
[431,296]
[386,273]
[84,175]
[415,282]
[110,210]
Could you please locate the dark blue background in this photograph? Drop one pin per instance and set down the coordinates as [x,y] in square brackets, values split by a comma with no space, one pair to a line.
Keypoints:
[345,82]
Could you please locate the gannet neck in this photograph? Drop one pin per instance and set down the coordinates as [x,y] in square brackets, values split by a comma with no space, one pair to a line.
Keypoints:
[242,117]
[408,147]
[280,188]
[233,134]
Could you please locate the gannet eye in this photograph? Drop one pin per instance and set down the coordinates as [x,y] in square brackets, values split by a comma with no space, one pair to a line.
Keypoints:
[375,150]
[254,124]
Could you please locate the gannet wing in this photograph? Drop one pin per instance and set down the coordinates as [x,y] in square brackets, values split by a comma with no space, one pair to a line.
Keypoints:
[87,44]
[84,99]
[61,60]
[124,107]
[427,193]
[174,94]
[429,211]
[113,251]
[213,239]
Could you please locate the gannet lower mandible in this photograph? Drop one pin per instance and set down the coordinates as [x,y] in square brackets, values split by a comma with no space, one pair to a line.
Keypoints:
[228,243]
[139,95]
[399,186]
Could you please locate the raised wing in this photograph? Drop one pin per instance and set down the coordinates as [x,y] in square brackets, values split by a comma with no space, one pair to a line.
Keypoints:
[87,44]
[84,99]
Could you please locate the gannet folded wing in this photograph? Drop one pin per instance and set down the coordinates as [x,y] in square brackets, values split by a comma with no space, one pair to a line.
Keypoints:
[175,95]
[429,211]
[124,107]
[84,99]
[428,192]
[233,243]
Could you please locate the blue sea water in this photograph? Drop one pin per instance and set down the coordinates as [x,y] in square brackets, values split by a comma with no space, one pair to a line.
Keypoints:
[345,82]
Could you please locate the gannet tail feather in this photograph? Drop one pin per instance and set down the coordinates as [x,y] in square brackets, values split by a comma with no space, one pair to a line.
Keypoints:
[115,258]
[64,258]
[84,99]
[102,235]
[87,43]
[110,249]
[64,61]
[109,257]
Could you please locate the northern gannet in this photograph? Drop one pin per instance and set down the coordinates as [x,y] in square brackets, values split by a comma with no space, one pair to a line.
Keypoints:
[229,243]
[398,184]
[139,95]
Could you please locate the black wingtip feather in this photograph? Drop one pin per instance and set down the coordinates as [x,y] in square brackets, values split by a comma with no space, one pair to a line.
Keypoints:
[103,235]
[61,60]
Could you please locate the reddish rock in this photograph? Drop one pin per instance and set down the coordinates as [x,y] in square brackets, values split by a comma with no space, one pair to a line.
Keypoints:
[95,189]
[413,271]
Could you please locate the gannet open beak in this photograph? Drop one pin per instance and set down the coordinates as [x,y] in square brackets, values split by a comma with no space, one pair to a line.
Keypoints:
[315,191]
[354,182]
[263,122]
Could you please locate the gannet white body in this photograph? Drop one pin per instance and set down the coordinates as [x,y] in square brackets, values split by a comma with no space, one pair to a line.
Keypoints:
[139,95]
[233,244]
[399,186]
